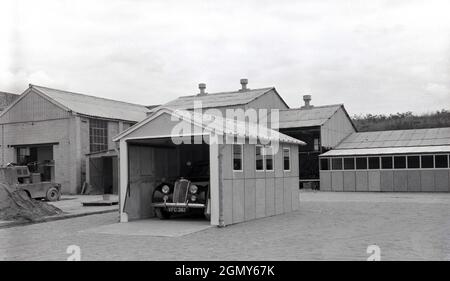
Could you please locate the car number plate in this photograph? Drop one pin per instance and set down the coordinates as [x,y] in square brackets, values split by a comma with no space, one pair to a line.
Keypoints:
[177,209]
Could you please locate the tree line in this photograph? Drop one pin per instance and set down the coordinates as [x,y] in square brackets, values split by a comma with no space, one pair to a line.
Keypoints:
[401,121]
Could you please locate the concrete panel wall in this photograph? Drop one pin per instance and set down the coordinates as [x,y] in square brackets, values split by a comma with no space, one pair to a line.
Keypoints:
[349,180]
[270,197]
[337,180]
[238,200]
[386,180]
[257,194]
[414,183]
[427,180]
[374,180]
[441,180]
[362,181]
[250,199]
[260,190]
[400,181]
[325,180]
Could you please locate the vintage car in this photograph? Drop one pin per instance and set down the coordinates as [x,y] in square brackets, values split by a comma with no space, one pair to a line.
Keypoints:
[188,194]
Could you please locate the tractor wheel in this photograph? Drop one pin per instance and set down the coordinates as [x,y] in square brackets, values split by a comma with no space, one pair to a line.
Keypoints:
[161,214]
[53,194]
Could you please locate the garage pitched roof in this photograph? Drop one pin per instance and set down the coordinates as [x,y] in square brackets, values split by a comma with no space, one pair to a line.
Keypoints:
[219,125]
[221,99]
[308,117]
[93,106]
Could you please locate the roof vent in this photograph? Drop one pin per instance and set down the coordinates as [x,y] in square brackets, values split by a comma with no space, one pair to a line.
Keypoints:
[202,87]
[244,83]
[307,100]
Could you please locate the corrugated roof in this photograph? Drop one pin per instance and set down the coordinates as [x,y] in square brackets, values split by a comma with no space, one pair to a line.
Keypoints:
[397,138]
[220,125]
[6,99]
[307,117]
[216,99]
[95,106]
[387,150]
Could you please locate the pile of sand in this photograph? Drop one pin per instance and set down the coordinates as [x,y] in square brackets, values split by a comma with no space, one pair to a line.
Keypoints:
[17,205]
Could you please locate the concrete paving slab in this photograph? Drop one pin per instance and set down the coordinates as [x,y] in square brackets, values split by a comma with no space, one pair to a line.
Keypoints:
[153,227]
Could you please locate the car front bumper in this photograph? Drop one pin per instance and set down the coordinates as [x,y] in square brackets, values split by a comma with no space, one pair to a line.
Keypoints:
[179,205]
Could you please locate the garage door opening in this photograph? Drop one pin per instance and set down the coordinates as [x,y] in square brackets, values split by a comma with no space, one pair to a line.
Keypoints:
[167,180]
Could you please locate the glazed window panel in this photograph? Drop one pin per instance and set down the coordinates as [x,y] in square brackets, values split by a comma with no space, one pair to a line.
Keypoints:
[259,158]
[413,162]
[361,163]
[237,157]
[441,161]
[400,162]
[386,162]
[268,157]
[98,135]
[286,159]
[325,164]
[427,161]
[374,163]
[336,163]
[349,163]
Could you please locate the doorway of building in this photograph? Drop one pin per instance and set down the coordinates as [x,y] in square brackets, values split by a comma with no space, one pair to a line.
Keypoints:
[39,159]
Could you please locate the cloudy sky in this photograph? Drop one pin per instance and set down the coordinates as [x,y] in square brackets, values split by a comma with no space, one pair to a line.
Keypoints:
[373,56]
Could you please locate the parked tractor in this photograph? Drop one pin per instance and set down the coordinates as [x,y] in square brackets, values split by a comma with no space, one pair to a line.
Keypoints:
[20,178]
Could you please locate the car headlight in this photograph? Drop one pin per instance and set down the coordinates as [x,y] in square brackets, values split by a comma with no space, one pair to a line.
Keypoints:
[193,198]
[165,189]
[193,189]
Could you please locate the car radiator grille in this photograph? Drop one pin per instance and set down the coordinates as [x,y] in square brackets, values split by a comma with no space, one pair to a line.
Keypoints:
[180,191]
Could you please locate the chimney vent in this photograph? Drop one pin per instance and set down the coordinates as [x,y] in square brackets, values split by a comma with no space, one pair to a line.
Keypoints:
[307,100]
[202,87]
[244,83]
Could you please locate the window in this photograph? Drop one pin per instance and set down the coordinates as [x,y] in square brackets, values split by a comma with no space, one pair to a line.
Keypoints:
[400,162]
[286,159]
[386,162]
[413,162]
[325,164]
[440,161]
[361,163]
[268,156]
[259,158]
[427,161]
[316,144]
[23,155]
[336,163]
[98,135]
[237,157]
[349,163]
[374,163]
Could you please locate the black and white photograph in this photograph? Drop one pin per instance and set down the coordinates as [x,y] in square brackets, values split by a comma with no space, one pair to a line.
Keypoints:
[223,137]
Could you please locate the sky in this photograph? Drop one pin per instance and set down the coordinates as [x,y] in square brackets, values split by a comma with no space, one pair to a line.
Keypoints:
[373,56]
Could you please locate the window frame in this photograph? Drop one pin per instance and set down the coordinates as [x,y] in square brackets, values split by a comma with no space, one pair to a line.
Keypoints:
[265,154]
[262,158]
[242,157]
[399,156]
[420,162]
[289,158]
[392,162]
[356,163]
[379,163]
[98,133]
[328,164]
[343,163]
[441,154]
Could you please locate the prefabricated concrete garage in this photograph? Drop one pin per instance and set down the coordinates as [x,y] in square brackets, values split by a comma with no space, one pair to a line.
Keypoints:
[389,161]
[250,175]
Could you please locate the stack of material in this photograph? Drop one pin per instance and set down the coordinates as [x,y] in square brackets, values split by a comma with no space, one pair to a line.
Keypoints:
[17,205]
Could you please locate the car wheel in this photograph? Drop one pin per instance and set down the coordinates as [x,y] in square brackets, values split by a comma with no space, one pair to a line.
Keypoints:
[53,194]
[161,214]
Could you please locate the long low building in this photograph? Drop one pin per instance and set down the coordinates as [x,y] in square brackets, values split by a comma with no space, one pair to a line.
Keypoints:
[399,161]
